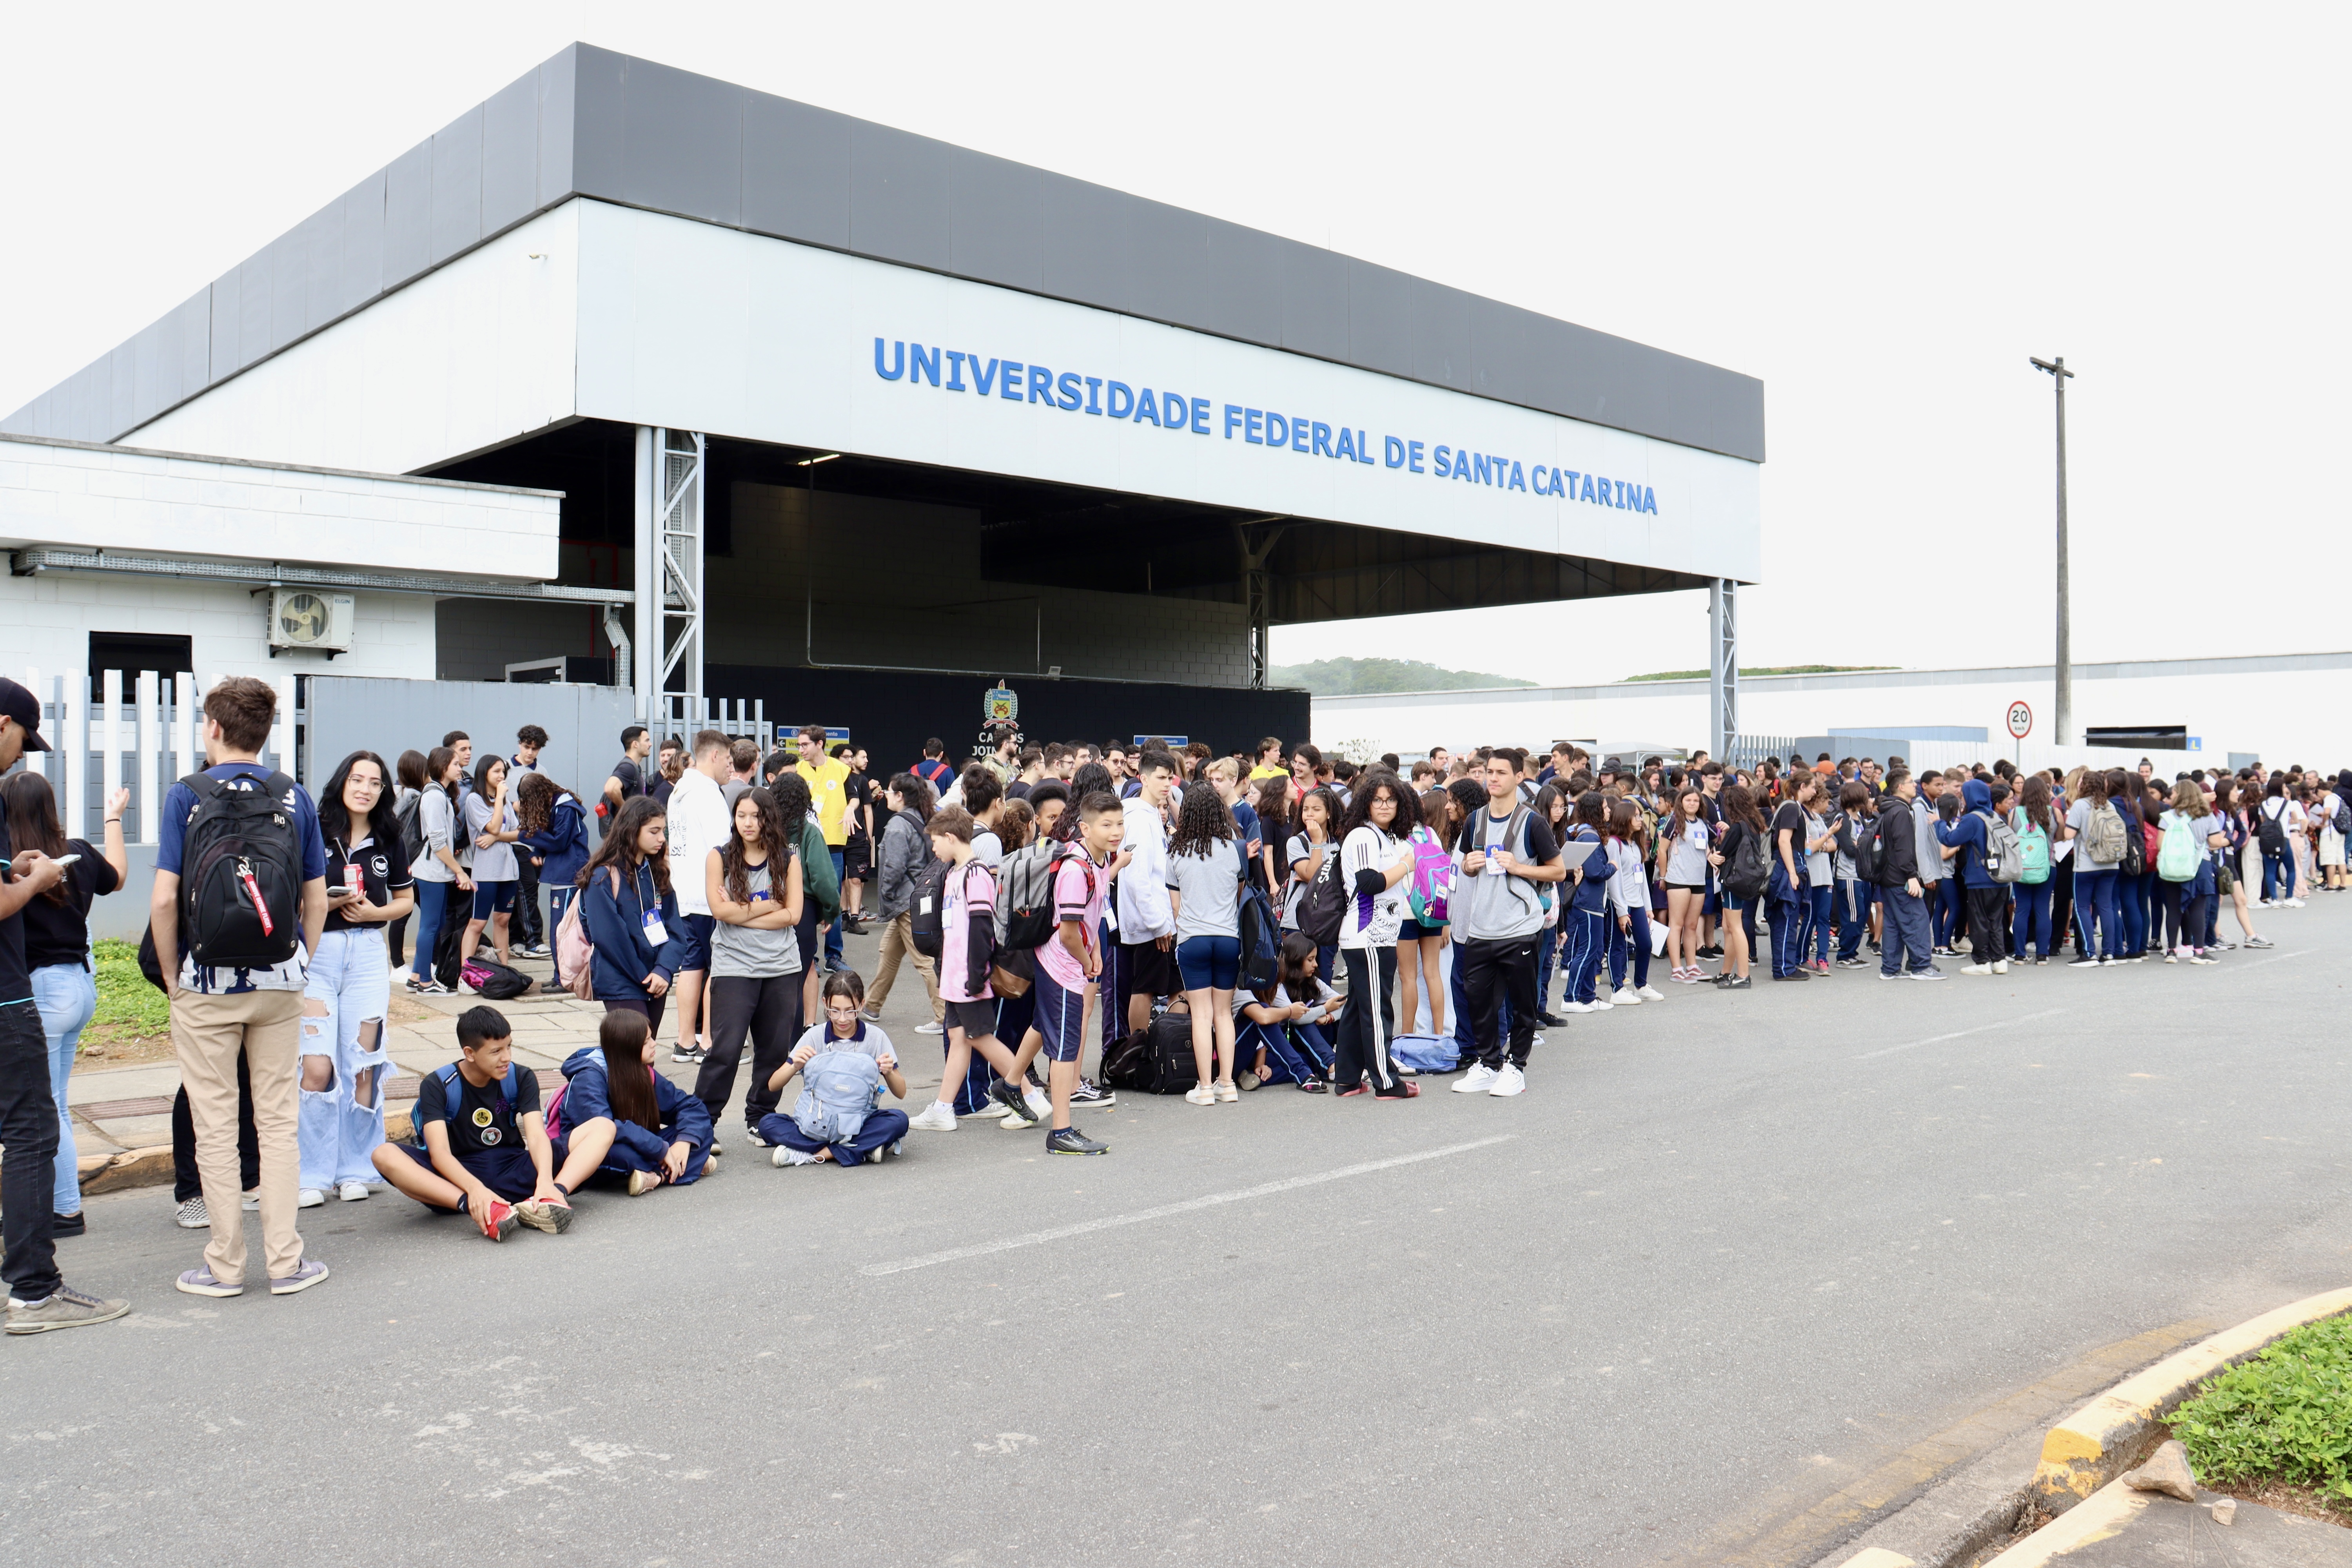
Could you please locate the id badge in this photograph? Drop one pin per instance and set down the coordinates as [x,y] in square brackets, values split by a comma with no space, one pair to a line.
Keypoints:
[656,933]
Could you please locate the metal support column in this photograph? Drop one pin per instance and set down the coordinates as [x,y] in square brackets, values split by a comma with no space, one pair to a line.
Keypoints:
[1723,667]
[1257,543]
[668,652]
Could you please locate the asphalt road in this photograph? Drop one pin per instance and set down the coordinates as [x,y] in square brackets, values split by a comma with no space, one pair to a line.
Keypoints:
[1728,1253]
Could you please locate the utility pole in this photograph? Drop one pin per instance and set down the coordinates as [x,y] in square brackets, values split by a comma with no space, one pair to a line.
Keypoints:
[2063,730]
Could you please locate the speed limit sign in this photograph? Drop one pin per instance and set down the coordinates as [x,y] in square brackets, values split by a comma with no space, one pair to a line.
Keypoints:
[2020,719]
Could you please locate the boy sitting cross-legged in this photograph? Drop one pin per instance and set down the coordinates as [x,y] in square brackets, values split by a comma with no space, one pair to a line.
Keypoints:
[482,1147]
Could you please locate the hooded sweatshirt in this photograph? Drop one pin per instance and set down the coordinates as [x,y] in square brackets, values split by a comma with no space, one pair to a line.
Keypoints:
[587,1094]
[1967,833]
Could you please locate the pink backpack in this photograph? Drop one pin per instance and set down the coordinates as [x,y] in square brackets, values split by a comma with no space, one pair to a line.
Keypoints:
[1432,882]
[575,953]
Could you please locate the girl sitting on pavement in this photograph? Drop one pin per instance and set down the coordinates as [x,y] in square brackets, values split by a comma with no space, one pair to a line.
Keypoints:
[844,1031]
[661,1135]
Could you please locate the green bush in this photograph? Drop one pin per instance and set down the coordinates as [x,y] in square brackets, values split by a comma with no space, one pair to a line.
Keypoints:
[2286,1416]
[126,1003]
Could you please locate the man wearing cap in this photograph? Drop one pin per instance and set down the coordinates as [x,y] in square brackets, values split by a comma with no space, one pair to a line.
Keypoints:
[38,1300]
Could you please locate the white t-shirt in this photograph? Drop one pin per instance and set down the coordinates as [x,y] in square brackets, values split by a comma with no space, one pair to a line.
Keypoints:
[1370,920]
[1143,911]
[698,825]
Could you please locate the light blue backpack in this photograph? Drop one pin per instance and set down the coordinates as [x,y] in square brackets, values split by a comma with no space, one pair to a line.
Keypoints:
[837,1090]
[1425,1053]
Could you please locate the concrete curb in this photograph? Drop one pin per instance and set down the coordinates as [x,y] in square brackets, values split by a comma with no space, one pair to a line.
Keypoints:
[152,1166]
[2090,1447]
[2081,1457]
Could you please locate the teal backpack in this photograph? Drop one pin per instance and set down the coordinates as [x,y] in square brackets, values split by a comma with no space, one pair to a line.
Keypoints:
[2177,853]
[2033,851]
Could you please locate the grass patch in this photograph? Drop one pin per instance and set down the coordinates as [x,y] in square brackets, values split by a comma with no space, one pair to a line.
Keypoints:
[2284,1416]
[127,1007]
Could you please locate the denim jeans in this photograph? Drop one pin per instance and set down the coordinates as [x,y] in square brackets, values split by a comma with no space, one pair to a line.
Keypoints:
[1906,929]
[432,899]
[350,975]
[2278,875]
[2030,927]
[66,994]
[2131,899]
[832,931]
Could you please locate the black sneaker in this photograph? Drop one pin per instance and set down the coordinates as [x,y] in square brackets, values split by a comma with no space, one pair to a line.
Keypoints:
[1548,1022]
[1007,1094]
[1715,951]
[1793,974]
[1089,1092]
[1740,982]
[1070,1141]
[67,1224]
[2085,962]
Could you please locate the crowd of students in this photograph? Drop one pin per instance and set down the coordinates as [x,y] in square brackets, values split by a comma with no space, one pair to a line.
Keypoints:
[1343,928]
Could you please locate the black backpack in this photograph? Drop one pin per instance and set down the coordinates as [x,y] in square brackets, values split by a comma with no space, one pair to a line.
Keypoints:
[241,875]
[1261,935]
[926,916]
[1750,870]
[1157,1059]
[2134,860]
[1325,906]
[412,834]
[1865,851]
[2270,831]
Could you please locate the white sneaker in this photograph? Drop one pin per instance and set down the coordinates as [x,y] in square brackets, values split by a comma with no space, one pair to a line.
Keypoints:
[1598,1005]
[1509,1081]
[309,1198]
[2294,903]
[1977,969]
[784,1156]
[1201,1094]
[352,1192]
[936,1118]
[1477,1081]
[1626,997]
[991,1111]
[2001,966]
[1578,1006]
[1041,1104]
[928,1029]
[1651,993]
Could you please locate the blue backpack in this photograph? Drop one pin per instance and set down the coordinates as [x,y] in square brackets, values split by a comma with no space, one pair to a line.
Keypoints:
[837,1090]
[452,1086]
[1426,1053]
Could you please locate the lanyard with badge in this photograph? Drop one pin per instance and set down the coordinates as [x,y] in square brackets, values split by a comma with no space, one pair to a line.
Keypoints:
[656,933]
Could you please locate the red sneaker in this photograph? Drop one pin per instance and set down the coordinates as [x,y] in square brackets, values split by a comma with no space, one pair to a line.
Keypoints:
[500,1221]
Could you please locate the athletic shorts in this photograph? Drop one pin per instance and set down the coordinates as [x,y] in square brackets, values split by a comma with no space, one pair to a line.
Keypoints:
[972,1017]
[509,1173]
[1145,970]
[858,859]
[1061,1018]
[1413,931]
[1209,962]
[694,937]
[1686,887]
[493,898]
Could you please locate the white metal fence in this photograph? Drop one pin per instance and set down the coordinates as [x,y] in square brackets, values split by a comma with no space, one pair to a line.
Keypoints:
[134,730]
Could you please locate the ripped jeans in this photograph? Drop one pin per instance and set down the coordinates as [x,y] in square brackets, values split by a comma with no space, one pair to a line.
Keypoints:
[343,1042]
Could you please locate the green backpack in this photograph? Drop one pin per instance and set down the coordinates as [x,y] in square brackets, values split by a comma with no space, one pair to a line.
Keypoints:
[2178,852]
[818,884]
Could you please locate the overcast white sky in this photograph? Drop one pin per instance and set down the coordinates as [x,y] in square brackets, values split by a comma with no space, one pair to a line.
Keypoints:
[1879,211]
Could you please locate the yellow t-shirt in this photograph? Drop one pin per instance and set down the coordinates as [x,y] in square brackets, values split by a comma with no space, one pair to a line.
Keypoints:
[825,779]
[1265,773]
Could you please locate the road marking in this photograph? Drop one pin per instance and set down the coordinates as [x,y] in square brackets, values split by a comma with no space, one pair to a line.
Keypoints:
[1958,1034]
[1112,1222]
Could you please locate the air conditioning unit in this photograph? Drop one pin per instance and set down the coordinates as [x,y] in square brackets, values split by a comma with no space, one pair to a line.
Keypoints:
[308,618]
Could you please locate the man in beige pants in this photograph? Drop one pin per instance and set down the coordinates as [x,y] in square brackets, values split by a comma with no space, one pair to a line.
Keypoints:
[219,1011]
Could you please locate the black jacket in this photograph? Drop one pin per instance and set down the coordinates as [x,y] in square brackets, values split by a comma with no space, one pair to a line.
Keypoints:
[1898,841]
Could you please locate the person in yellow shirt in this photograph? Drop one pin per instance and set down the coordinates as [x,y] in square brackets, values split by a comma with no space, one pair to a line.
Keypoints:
[1270,764]
[826,776]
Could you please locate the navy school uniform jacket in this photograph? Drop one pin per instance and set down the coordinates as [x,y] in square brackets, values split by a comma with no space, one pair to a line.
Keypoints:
[616,924]
[1967,833]
[588,1094]
[563,846]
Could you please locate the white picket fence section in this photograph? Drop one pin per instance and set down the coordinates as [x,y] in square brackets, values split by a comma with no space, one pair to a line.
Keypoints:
[146,740]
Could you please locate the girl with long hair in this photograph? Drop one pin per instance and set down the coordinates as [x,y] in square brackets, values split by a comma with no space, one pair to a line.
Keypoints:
[2035,812]
[1629,906]
[439,871]
[1273,807]
[909,799]
[348,989]
[1205,873]
[752,883]
[1372,861]
[1421,945]
[57,954]
[661,1135]
[845,1028]
[2094,881]
[1314,838]
[554,832]
[631,912]
[1280,1027]
[1583,901]
[407,800]
[1683,858]
[2230,806]
[490,826]
[1741,817]
[1551,805]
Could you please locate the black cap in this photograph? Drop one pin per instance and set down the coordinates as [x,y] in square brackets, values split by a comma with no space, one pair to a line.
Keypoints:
[21,705]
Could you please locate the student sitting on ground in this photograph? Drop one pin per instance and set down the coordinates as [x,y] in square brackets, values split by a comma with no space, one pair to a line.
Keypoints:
[1280,1034]
[846,1059]
[661,1135]
[482,1148]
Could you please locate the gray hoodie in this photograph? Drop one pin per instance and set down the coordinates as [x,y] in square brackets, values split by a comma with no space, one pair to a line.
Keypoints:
[1925,821]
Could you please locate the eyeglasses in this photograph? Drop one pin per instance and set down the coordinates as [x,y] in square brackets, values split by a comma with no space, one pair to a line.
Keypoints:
[848,1012]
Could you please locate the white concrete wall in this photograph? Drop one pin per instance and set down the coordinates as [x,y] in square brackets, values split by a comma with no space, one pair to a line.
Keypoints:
[109,497]
[2288,708]
[46,622]
[468,357]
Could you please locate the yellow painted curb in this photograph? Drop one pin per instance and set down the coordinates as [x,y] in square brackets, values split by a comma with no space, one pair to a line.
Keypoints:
[2107,1512]
[2097,1443]
[1878,1557]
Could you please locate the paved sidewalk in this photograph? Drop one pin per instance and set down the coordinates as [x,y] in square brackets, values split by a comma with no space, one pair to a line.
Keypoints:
[122,1115]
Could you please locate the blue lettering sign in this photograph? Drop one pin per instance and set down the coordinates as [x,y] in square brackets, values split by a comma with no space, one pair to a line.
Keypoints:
[897,362]
[926,366]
